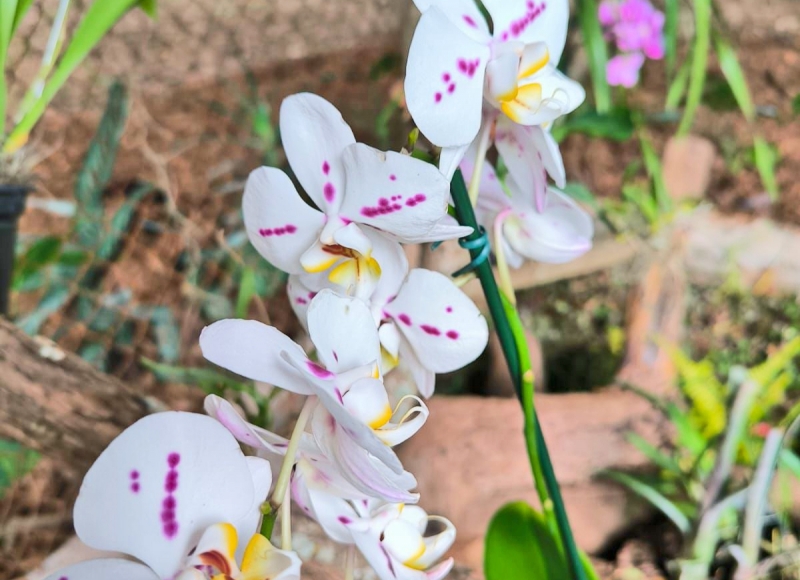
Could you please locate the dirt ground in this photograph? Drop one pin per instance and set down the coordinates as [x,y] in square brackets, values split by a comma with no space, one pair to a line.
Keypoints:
[196,145]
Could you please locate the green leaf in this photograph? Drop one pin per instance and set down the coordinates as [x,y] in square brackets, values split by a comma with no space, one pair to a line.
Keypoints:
[120,222]
[597,53]
[766,160]
[653,165]
[209,380]
[654,454]
[616,125]
[580,193]
[42,252]
[247,291]
[96,22]
[519,545]
[22,9]
[697,76]
[663,504]
[51,303]
[15,461]
[677,88]
[796,104]
[98,165]
[735,76]
[671,13]
[168,338]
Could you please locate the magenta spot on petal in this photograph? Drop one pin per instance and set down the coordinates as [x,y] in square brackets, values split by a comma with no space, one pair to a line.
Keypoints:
[301,300]
[451,88]
[437,97]
[345,520]
[167,516]
[135,487]
[393,177]
[383,201]
[318,371]
[452,334]
[134,474]
[446,77]
[345,221]
[290,229]
[169,503]
[326,168]
[432,330]
[339,395]
[449,309]
[405,319]
[469,20]
[335,356]
[329,191]
[170,529]
[173,459]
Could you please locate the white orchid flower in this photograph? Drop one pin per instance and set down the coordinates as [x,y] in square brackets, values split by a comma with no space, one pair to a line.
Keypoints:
[393,540]
[557,232]
[357,420]
[175,491]
[423,319]
[456,66]
[361,193]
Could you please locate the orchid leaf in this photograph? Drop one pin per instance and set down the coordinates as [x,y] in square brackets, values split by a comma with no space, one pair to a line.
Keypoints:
[653,496]
[597,52]
[616,125]
[697,75]
[519,544]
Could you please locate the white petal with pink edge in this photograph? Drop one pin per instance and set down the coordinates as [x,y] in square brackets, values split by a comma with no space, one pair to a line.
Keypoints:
[531,21]
[253,350]
[314,134]
[394,193]
[440,322]
[560,233]
[280,225]
[244,432]
[444,80]
[159,485]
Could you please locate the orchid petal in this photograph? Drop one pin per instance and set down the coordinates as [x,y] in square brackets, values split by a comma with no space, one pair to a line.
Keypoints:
[462,13]
[531,21]
[251,435]
[263,561]
[534,58]
[413,194]
[280,225]
[104,569]
[330,511]
[301,290]
[314,134]
[449,159]
[549,95]
[560,233]
[363,470]
[390,346]
[149,493]
[331,396]
[524,160]
[343,331]
[501,77]
[368,401]
[438,545]
[394,433]
[424,378]
[394,267]
[261,474]
[443,326]
[217,550]
[253,350]
[444,80]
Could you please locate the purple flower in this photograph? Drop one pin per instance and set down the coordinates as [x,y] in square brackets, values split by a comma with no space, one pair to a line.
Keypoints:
[637,30]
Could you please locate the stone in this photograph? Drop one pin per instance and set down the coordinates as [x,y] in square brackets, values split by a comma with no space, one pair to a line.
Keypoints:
[498,383]
[687,165]
[470,459]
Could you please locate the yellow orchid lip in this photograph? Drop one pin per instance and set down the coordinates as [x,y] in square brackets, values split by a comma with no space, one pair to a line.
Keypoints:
[382,419]
[413,561]
[536,66]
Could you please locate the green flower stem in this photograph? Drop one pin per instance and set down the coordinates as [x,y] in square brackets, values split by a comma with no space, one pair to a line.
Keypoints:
[270,508]
[514,345]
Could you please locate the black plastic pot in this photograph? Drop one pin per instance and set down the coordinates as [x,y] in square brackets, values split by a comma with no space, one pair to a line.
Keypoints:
[12,204]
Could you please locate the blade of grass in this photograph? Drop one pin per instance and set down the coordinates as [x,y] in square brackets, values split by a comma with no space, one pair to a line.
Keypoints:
[652,164]
[671,13]
[697,77]
[765,160]
[97,21]
[677,89]
[596,52]
[8,13]
[734,74]
[663,504]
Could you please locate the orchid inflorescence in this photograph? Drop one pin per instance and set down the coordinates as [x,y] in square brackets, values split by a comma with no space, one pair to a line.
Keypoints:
[175,490]
[637,30]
